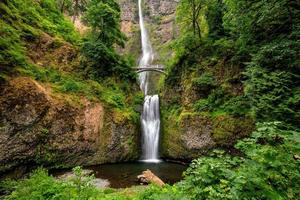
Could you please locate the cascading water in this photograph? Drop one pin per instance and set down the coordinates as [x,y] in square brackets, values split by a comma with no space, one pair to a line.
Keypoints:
[150,119]
[147,53]
[150,128]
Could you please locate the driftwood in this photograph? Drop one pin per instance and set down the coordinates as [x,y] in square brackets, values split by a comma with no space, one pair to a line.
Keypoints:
[148,177]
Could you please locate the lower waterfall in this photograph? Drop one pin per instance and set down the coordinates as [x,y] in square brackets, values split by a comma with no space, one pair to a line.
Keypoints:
[150,120]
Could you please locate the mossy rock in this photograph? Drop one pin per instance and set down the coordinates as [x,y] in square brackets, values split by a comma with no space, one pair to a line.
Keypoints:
[227,129]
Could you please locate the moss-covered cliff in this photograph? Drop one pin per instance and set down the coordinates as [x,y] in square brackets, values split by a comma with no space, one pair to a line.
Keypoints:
[199,109]
[51,112]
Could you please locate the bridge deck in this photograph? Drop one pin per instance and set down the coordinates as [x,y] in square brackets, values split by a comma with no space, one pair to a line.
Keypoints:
[150,67]
[145,68]
[154,68]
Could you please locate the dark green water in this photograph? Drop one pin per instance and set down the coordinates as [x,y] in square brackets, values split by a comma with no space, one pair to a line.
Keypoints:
[125,174]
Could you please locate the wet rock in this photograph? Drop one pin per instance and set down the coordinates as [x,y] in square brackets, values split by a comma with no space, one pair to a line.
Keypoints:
[100,183]
[70,174]
[97,182]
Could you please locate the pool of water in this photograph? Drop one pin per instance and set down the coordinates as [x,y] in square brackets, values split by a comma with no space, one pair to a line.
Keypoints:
[125,174]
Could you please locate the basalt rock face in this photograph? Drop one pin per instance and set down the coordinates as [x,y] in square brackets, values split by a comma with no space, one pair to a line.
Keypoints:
[40,128]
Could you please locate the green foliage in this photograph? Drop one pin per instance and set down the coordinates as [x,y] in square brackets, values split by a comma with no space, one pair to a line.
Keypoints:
[22,22]
[205,82]
[189,16]
[42,186]
[166,193]
[202,105]
[261,37]
[12,50]
[104,18]
[103,61]
[267,171]
[237,106]
[31,17]
[267,34]
[98,47]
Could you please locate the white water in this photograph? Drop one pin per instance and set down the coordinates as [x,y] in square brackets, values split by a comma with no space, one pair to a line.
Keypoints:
[147,53]
[150,128]
[150,119]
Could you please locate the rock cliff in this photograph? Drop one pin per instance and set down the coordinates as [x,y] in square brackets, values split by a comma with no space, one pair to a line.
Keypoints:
[38,127]
[189,133]
[160,21]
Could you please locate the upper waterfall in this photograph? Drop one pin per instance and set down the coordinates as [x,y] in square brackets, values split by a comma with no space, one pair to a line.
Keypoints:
[147,52]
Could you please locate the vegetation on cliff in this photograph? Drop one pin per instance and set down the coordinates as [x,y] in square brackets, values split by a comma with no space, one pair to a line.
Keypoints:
[256,42]
[49,85]
[97,72]
[233,60]
[237,59]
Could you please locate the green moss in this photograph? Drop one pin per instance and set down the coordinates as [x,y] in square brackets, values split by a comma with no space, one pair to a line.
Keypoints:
[22,22]
[12,49]
[227,129]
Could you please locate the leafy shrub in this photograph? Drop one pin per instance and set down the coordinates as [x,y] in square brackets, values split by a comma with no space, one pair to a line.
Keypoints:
[166,193]
[237,106]
[267,171]
[42,186]
[202,105]
[205,82]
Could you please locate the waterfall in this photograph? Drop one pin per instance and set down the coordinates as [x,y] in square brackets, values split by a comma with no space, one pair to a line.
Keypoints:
[150,119]
[147,53]
[150,128]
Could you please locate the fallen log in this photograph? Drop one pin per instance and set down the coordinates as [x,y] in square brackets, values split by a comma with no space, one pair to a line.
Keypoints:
[148,177]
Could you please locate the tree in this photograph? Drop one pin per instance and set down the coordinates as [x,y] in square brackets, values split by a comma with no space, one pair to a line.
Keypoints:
[103,16]
[72,7]
[267,41]
[188,14]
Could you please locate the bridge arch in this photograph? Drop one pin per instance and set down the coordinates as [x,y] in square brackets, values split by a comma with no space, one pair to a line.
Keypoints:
[154,68]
